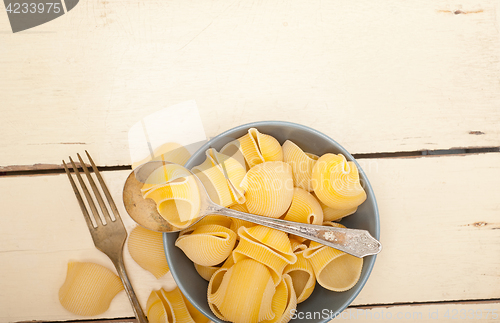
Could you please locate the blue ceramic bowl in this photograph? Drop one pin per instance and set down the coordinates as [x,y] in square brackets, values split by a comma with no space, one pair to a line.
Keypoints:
[322,303]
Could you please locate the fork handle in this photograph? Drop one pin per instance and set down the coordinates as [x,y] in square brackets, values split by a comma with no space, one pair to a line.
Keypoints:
[358,243]
[120,268]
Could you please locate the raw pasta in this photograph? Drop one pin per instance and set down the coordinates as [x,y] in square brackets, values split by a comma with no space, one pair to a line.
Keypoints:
[175,193]
[89,288]
[207,245]
[269,189]
[284,301]
[257,148]
[334,269]
[221,176]
[302,164]
[268,246]
[301,272]
[304,208]
[336,182]
[172,307]
[230,291]
[146,248]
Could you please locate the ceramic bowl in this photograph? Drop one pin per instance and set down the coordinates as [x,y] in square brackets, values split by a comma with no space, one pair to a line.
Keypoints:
[323,304]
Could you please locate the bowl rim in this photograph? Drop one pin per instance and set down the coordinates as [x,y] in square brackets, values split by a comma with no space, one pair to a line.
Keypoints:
[371,259]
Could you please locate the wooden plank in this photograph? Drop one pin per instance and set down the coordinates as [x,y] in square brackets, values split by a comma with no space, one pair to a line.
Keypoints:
[41,232]
[376,76]
[451,312]
[439,229]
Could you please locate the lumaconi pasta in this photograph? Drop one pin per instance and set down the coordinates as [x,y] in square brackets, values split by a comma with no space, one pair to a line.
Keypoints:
[334,269]
[146,248]
[229,293]
[258,148]
[268,246]
[89,288]
[302,164]
[175,193]
[156,310]
[221,175]
[336,182]
[301,272]
[330,214]
[269,189]
[207,245]
[284,301]
[205,272]
[304,208]
[172,307]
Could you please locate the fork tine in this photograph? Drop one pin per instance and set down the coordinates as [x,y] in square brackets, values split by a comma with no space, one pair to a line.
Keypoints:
[96,191]
[79,198]
[104,188]
[87,193]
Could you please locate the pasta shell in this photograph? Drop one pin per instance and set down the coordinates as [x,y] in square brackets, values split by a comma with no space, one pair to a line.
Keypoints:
[257,148]
[267,246]
[214,294]
[335,270]
[336,182]
[284,301]
[269,189]
[206,272]
[214,182]
[233,172]
[172,307]
[330,214]
[197,316]
[209,219]
[228,263]
[88,289]
[221,175]
[302,164]
[232,149]
[302,276]
[156,311]
[175,192]
[245,293]
[174,301]
[146,248]
[304,208]
[269,148]
[207,245]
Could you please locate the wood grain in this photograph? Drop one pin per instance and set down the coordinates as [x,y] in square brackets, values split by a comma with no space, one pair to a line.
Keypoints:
[376,76]
[439,229]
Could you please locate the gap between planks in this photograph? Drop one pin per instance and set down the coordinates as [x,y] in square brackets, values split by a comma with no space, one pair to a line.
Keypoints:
[48,169]
[364,307]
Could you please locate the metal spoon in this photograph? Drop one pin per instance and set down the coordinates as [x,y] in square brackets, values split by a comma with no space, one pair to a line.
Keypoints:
[355,242]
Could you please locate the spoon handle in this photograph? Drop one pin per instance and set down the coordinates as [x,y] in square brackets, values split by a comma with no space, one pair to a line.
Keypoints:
[358,243]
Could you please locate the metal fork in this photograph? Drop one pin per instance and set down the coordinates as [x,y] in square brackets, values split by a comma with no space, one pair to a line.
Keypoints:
[108,236]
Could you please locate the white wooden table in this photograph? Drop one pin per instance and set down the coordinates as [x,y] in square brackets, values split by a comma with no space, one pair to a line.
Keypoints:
[386,79]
